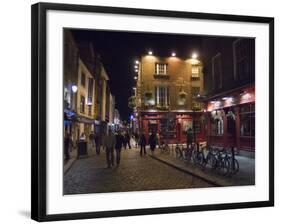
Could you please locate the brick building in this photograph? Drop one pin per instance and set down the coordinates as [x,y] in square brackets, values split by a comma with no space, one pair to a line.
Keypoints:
[229,75]
[88,101]
[166,96]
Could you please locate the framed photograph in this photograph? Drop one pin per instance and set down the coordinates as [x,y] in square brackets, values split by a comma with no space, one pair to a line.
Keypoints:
[138,111]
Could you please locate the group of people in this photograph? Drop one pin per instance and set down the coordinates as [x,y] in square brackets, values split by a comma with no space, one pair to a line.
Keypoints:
[115,142]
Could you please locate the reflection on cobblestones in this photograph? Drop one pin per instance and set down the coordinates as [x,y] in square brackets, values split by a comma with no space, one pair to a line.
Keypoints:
[135,173]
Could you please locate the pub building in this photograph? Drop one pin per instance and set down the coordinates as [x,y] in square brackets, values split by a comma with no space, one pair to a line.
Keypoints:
[172,126]
[231,120]
[229,85]
[166,96]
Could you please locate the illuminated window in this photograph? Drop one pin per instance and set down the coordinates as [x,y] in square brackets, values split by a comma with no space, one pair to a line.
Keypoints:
[217,127]
[195,72]
[90,90]
[162,96]
[247,120]
[161,69]
[82,104]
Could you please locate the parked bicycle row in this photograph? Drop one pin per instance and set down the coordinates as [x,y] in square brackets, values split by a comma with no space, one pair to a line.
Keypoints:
[218,159]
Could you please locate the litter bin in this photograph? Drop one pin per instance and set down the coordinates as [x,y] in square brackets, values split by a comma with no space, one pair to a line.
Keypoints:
[82,148]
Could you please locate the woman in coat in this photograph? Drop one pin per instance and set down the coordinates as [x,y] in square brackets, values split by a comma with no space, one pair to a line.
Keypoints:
[152,142]
[142,143]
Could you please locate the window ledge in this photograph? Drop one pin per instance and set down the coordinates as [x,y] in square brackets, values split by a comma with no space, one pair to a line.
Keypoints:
[161,76]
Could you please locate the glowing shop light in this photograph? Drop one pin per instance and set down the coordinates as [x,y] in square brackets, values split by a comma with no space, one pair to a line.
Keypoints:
[74,88]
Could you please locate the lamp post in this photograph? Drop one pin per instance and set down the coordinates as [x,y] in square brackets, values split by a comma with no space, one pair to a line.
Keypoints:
[193,125]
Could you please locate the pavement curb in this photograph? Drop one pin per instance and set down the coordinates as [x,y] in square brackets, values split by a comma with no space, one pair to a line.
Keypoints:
[186,171]
[68,165]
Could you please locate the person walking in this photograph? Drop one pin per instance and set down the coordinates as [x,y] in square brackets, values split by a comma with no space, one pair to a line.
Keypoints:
[142,143]
[189,137]
[97,143]
[92,140]
[136,139]
[152,142]
[67,144]
[109,144]
[118,146]
[127,140]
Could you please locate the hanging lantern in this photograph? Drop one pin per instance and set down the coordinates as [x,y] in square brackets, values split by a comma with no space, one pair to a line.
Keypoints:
[182,98]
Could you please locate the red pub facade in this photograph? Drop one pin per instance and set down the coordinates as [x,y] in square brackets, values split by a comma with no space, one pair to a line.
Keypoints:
[231,120]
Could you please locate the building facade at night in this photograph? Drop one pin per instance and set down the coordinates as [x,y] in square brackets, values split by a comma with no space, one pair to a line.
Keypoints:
[229,75]
[166,96]
[88,102]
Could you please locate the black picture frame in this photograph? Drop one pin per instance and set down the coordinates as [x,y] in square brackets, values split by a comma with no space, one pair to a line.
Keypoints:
[38,109]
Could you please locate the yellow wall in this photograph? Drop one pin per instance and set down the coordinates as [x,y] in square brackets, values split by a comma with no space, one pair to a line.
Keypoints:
[83,90]
[179,73]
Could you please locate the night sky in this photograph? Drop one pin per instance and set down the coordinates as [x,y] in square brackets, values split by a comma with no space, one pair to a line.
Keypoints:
[119,50]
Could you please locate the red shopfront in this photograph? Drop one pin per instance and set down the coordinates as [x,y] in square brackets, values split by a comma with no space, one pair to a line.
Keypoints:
[231,120]
[172,126]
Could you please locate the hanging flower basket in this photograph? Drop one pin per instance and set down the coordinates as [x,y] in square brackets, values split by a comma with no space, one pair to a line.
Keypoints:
[149,98]
[182,98]
[148,95]
[216,116]
[230,115]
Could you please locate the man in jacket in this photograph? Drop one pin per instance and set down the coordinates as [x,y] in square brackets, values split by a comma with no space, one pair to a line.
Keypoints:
[142,143]
[109,144]
[152,142]
[118,146]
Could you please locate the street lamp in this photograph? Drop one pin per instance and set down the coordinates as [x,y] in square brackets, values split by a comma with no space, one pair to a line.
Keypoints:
[194,56]
[174,54]
[150,52]
[74,88]
[137,62]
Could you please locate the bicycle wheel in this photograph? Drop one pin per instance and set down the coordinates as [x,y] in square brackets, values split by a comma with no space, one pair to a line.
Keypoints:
[235,169]
[200,159]
[223,166]
[212,161]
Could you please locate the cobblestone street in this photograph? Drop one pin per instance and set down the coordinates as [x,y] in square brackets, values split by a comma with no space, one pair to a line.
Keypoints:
[135,173]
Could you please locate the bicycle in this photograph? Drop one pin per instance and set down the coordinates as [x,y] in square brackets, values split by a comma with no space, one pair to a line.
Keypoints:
[234,164]
[207,156]
[222,164]
[179,151]
[164,147]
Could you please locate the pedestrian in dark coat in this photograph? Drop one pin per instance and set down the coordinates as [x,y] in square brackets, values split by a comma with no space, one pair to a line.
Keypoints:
[137,139]
[118,146]
[189,137]
[109,144]
[67,144]
[97,143]
[127,140]
[142,143]
[152,142]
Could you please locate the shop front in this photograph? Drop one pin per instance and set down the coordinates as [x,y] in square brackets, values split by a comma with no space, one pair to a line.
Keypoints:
[172,126]
[231,120]
[85,125]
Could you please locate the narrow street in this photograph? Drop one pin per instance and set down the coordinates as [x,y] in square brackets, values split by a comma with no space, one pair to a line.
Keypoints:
[135,173]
